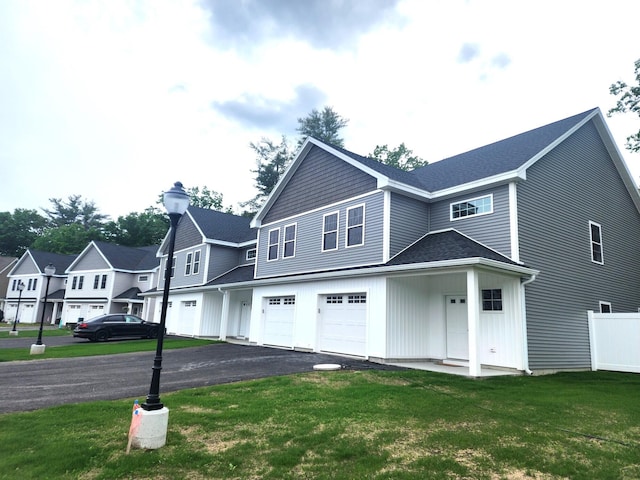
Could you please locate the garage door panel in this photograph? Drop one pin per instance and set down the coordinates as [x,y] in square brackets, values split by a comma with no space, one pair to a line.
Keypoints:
[343,324]
[279,313]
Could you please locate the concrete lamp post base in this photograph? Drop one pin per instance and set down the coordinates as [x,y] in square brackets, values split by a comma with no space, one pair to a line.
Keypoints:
[151,433]
[37,349]
[13,332]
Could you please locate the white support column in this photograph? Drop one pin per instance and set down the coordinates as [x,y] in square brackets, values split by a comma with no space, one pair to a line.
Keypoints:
[224,321]
[473,314]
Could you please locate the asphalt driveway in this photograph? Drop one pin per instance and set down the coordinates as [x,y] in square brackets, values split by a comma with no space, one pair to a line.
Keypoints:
[34,384]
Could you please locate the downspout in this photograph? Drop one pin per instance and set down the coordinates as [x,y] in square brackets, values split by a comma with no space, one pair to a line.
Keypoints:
[525,341]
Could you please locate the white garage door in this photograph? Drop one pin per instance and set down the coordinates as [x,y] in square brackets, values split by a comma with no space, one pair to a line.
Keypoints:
[278,321]
[343,323]
[187,318]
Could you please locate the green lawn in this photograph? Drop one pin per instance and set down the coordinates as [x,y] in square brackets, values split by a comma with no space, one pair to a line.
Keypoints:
[86,349]
[46,332]
[349,425]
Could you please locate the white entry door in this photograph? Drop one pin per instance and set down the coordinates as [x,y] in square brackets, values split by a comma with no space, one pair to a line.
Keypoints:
[245,318]
[457,327]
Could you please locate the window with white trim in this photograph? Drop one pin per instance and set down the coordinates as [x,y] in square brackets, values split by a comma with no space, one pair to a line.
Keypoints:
[472,207]
[187,265]
[74,283]
[96,282]
[274,244]
[595,233]
[103,283]
[605,307]
[330,231]
[80,282]
[334,299]
[251,254]
[492,300]
[355,226]
[289,241]
[196,262]
[143,278]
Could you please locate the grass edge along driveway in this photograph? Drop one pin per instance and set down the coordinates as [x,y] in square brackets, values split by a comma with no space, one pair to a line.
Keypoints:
[348,425]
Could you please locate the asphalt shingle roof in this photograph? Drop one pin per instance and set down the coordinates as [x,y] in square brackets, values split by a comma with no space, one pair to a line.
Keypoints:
[243,273]
[129,258]
[223,226]
[60,261]
[493,159]
[446,245]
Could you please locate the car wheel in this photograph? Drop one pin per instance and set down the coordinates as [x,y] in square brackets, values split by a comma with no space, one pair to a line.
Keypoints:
[153,333]
[102,335]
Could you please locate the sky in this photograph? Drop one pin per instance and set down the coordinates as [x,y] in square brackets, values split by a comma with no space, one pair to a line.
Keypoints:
[115,101]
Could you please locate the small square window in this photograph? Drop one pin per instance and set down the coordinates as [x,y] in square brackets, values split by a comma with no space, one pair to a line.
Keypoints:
[492,300]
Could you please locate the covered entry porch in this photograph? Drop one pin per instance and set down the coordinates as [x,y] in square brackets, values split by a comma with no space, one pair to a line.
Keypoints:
[459,320]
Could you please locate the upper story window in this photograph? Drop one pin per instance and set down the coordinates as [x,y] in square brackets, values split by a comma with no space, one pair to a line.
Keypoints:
[274,244]
[187,266]
[80,282]
[492,300]
[471,207]
[196,262]
[31,285]
[97,283]
[289,249]
[595,232]
[330,232]
[355,226]
[74,283]
[251,254]
[173,267]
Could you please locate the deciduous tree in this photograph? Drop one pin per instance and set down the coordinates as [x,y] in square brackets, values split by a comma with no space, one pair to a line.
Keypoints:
[19,230]
[400,157]
[628,101]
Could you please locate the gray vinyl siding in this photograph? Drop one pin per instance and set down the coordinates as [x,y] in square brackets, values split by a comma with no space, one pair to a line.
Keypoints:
[26,267]
[242,256]
[572,185]
[321,179]
[409,222]
[92,260]
[180,279]
[309,256]
[492,230]
[221,260]
[187,235]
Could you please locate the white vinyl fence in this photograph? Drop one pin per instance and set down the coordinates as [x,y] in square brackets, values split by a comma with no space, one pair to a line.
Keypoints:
[615,341]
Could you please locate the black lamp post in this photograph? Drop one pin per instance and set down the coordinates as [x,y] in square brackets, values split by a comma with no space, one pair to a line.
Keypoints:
[176,201]
[20,289]
[49,270]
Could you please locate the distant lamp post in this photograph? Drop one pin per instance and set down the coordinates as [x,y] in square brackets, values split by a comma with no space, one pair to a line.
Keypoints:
[176,201]
[15,320]
[151,432]
[38,347]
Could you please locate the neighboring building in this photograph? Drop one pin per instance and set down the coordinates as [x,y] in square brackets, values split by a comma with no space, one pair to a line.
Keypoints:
[491,257]
[209,245]
[29,270]
[6,264]
[109,278]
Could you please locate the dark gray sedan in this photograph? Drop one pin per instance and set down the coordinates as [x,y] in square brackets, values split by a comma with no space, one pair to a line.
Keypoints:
[100,329]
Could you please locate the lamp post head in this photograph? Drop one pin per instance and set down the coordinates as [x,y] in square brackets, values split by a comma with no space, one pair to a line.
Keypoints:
[20,285]
[49,270]
[176,200]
